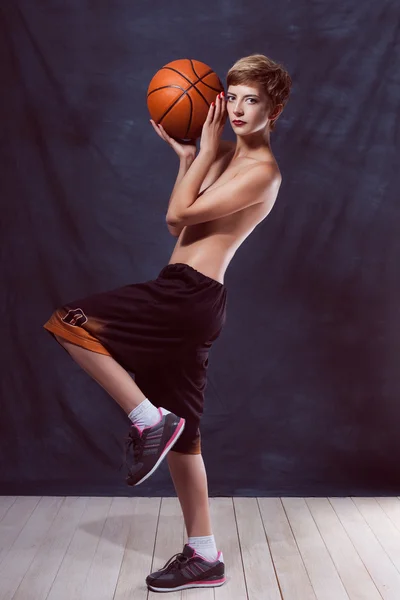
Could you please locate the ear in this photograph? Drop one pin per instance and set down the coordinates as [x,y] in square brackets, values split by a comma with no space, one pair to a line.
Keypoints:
[276,112]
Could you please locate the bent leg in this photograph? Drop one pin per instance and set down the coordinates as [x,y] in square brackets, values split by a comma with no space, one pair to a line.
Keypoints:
[108,373]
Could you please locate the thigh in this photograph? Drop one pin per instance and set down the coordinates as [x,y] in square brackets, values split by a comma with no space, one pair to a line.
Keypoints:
[135,324]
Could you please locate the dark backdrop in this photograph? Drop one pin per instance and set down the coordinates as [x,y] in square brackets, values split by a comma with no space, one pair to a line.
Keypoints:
[304,382]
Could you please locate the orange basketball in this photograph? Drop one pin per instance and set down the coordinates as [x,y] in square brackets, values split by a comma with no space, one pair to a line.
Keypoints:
[179,97]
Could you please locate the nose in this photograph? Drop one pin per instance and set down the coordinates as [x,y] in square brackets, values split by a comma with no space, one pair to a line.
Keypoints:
[237,112]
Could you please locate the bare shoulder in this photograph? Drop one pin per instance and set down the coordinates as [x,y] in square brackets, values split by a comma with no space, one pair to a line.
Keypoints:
[267,163]
[266,170]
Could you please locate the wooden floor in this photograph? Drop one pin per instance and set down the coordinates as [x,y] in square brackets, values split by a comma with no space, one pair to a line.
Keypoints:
[73,548]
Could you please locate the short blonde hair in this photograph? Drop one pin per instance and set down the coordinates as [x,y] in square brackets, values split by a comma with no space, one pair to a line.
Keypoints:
[272,76]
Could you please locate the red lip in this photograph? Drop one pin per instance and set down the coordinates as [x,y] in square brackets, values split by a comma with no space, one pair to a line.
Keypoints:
[239,122]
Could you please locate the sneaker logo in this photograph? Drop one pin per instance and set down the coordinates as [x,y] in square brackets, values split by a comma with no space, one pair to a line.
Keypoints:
[75,317]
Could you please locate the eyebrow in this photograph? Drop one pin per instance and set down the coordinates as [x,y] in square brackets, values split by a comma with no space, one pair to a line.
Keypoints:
[248,95]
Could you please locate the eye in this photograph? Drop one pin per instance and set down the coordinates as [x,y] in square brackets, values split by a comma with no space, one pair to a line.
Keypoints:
[228,97]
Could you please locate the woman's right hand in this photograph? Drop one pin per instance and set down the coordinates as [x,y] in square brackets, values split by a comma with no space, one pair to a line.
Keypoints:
[183,149]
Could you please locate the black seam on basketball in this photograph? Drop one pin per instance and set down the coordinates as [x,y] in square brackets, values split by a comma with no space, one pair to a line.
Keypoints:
[177,100]
[192,65]
[204,83]
[190,118]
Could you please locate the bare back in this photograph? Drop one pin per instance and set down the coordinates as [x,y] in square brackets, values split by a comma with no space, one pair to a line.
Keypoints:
[209,247]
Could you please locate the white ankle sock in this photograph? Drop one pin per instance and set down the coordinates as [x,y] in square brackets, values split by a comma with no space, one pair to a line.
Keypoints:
[205,546]
[144,415]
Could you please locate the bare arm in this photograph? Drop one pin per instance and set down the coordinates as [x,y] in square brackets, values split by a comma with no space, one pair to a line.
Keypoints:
[184,164]
[187,190]
[254,185]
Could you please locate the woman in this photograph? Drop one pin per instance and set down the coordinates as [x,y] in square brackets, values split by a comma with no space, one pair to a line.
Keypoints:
[162,330]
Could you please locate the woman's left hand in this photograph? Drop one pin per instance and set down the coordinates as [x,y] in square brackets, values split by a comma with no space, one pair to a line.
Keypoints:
[214,125]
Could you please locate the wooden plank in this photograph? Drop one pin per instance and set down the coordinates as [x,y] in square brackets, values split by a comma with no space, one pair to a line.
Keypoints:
[259,571]
[375,559]
[350,567]
[321,569]
[14,520]
[16,563]
[75,566]
[383,528]
[138,557]
[391,506]
[291,572]
[104,571]
[227,540]
[5,503]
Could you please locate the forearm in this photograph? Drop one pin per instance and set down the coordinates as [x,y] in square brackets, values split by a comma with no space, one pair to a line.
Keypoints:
[184,164]
[187,189]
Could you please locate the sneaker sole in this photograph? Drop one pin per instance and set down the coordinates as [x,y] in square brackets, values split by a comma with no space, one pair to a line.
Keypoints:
[195,584]
[171,443]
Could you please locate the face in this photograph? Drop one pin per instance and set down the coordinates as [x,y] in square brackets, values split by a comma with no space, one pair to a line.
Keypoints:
[249,104]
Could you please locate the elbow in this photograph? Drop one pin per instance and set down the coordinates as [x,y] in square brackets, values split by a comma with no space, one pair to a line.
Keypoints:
[173,226]
[172,219]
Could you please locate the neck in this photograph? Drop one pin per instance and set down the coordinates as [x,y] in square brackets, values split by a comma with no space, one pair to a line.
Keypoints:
[253,144]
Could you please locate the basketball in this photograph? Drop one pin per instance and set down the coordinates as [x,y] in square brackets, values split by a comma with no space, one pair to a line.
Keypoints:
[179,97]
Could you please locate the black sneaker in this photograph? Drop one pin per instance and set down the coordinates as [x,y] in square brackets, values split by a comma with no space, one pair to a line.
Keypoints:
[187,570]
[151,445]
